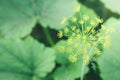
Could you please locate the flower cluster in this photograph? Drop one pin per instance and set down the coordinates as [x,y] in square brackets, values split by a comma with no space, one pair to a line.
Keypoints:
[83,38]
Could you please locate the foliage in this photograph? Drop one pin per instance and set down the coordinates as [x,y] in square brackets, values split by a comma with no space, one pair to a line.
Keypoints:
[67,70]
[112,5]
[109,61]
[25,60]
[52,39]
[21,16]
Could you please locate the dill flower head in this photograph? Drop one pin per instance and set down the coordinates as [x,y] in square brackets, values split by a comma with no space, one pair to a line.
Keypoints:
[83,36]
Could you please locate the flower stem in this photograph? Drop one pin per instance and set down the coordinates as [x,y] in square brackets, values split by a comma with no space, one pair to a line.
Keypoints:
[82,71]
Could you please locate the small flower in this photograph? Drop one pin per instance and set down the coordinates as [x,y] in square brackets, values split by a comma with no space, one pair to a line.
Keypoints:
[98,35]
[93,31]
[111,30]
[84,37]
[99,20]
[79,51]
[87,29]
[77,9]
[86,59]
[94,43]
[84,50]
[70,41]
[97,52]
[73,34]
[85,17]
[77,30]
[64,20]
[76,45]
[73,28]
[81,22]
[66,30]
[74,19]
[60,34]
[87,44]
[78,36]
[61,49]
[73,57]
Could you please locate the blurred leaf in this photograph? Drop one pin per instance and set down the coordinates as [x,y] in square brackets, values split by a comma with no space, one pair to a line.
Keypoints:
[97,6]
[109,61]
[67,70]
[113,5]
[17,18]
[25,60]
[53,12]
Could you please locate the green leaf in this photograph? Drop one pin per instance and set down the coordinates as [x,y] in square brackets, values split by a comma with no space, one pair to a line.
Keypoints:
[110,59]
[113,5]
[25,60]
[53,12]
[17,18]
[67,70]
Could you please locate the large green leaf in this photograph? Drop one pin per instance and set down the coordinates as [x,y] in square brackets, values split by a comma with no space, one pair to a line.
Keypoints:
[109,62]
[17,18]
[25,60]
[112,5]
[68,72]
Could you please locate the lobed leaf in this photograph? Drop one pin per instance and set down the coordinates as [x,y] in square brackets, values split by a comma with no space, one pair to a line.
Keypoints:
[25,60]
[17,18]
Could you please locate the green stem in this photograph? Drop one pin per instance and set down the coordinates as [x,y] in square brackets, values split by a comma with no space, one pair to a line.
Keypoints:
[48,36]
[82,71]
